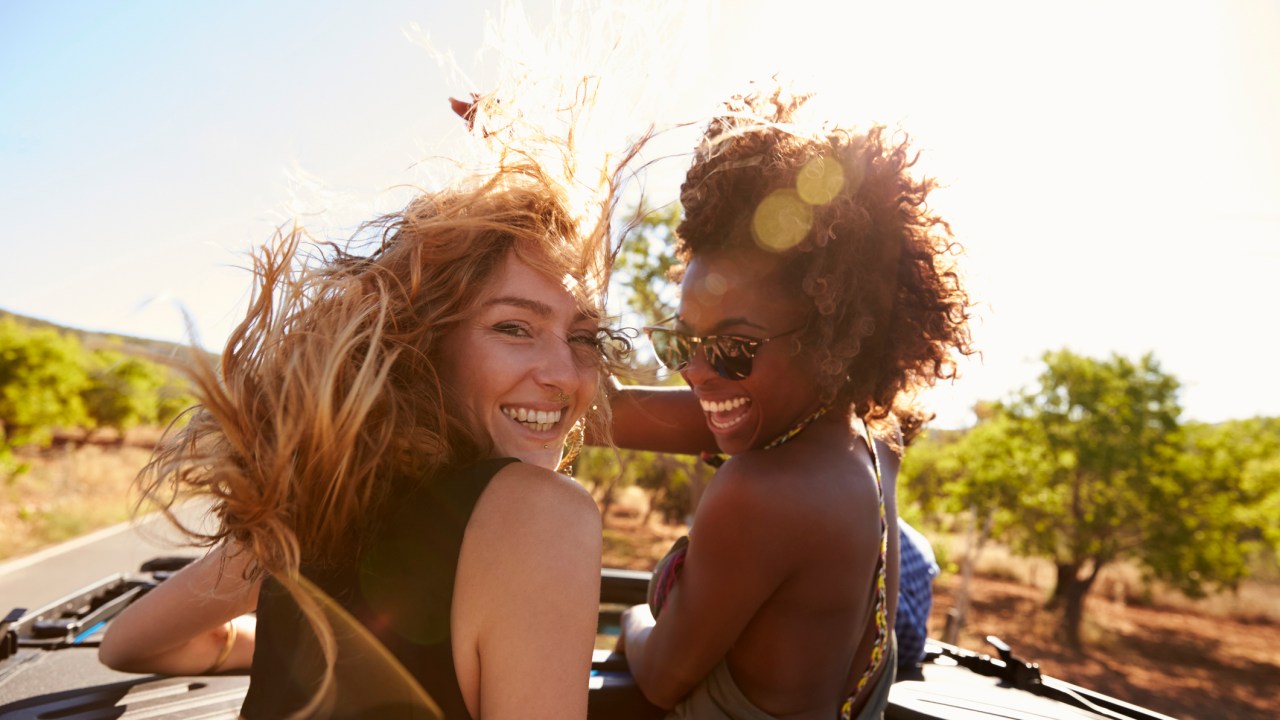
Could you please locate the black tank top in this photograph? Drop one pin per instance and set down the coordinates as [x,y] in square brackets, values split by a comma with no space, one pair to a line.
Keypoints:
[400,589]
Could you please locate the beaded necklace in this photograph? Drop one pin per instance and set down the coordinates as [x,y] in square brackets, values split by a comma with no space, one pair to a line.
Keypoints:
[797,428]
[716,460]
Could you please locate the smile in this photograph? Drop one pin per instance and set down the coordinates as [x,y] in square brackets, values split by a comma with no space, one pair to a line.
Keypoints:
[721,414]
[712,406]
[536,420]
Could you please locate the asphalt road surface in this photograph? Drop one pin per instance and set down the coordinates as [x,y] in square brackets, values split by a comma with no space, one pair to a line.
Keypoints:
[47,575]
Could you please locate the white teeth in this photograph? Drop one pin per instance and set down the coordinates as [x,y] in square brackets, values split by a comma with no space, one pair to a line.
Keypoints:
[537,420]
[725,406]
[727,425]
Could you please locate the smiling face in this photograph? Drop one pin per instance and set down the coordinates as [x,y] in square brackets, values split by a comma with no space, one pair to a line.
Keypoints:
[743,293]
[525,363]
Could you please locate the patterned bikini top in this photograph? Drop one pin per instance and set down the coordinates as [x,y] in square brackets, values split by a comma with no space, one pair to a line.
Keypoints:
[881,605]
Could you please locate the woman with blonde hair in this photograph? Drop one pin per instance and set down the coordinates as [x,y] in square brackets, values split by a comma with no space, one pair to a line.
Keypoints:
[818,295]
[381,445]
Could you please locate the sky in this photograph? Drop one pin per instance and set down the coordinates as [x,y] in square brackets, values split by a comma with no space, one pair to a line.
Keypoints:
[1111,168]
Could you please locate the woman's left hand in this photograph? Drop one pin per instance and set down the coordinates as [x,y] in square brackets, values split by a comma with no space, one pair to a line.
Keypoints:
[183,626]
[635,619]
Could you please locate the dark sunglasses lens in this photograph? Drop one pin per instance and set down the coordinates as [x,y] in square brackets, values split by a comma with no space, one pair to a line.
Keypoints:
[672,348]
[730,358]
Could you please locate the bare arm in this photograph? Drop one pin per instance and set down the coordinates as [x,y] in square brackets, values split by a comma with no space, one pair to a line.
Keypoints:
[714,600]
[527,597]
[182,627]
[660,419]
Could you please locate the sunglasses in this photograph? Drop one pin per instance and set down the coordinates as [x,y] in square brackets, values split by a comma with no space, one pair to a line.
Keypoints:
[729,356]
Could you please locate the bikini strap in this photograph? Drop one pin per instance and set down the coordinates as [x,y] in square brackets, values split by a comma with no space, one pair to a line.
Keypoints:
[881,645]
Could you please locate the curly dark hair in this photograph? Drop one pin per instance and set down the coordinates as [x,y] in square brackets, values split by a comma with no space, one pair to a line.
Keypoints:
[851,227]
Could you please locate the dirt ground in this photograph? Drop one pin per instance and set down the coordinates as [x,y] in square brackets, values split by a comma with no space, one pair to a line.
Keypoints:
[1178,663]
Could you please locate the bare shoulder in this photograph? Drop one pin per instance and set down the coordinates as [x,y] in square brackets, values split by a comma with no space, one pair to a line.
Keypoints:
[799,497]
[528,511]
[743,482]
[532,530]
[523,493]
[801,476]
[757,508]
[527,592]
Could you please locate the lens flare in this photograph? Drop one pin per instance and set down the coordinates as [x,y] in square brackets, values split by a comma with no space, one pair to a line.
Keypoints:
[714,284]
[781,221]
[820,180]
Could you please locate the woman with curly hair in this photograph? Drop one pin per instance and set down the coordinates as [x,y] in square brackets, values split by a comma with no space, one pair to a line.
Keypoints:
[381,445]
[818,295]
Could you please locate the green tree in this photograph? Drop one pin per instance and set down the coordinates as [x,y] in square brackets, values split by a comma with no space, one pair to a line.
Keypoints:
[643,284]
[173,398]
[669,481]
[1092,466]
[41,379]
[123,391]
[969,475]
[644,264]
[1083,469]
[929,469]
[1229,498]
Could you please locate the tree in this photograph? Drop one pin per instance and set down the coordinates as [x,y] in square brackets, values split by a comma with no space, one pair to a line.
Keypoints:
[41,378]
[173,398]
[123,391]
[642,279]
[1077,469]
[929,469]
[48,381]
[971,475]
[1092,466]
[644,263]
[1228,498]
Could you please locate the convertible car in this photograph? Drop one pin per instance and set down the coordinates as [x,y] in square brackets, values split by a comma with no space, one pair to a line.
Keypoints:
[49,669]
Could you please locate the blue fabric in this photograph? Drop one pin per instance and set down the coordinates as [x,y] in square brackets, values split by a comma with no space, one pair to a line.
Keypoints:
[917,568]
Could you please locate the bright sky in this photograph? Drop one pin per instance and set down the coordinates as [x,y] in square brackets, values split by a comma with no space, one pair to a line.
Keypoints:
[1113,168]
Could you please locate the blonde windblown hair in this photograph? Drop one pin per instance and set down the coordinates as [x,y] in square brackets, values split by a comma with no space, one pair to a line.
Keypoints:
[329,389]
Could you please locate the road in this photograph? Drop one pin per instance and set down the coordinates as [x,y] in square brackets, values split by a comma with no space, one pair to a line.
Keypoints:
[49,574]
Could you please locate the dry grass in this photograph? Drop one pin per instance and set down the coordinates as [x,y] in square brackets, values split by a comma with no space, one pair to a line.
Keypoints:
[1254,601]
[69,491]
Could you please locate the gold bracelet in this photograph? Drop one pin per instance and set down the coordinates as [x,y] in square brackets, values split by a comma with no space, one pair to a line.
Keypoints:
[226,649]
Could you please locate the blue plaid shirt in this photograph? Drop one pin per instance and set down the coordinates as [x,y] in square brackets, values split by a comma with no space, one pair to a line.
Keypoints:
[916,571]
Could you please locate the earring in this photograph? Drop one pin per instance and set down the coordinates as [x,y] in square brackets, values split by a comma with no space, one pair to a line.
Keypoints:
[573,445]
